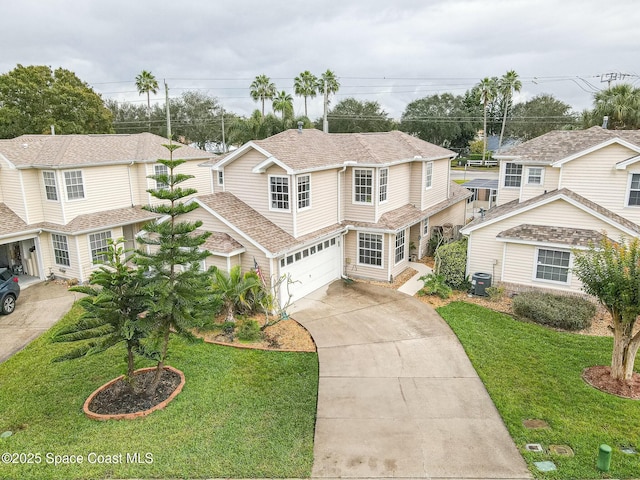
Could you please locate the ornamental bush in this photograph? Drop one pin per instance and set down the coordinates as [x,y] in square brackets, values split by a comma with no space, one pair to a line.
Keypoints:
[451,263]
[554,310]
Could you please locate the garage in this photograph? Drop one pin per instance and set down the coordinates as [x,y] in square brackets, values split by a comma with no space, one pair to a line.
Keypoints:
[312,267]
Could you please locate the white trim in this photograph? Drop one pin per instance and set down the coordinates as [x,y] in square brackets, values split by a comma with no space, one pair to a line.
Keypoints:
[594,148]
[271,207]
[504,260]
[297,177]
[24,198]
[66,187]
[534,273]
[424,175]
[239,152]
[528,170]
[382,235]
[95,265]
[386,199]
[628,191]
[622,165]
[353,186]
[263,166]
[404,247]
[537,243]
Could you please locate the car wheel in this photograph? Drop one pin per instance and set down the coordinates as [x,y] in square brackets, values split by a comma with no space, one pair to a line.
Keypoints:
[8,304]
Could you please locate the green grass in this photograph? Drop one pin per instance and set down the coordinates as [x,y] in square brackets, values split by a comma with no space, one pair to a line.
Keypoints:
[242,413]
[534,372]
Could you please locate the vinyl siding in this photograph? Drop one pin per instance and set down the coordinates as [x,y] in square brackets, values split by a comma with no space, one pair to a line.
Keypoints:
[550,179]
[398,194]
[416,183]
[594,176]
[324,203]
[440,184]
[403,264]
[200,181]
[52,210]
[505,194]
[484,249]
[11,187]
[352,269]
[33,188]
[354,211]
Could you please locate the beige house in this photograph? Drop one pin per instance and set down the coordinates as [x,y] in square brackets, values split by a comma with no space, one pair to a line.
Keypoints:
[556,193]
[62,196]
[319,206]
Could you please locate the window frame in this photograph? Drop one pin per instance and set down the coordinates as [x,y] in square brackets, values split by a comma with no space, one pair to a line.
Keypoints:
[164,170]
[98,259]
[383,187]
[58,241]
[377,258]
[554,251]
[69,176]
[305,195]
[630,190]
[400,251]
[529,176]
[221,178]
[283,200]
[50,188]
[511,176]
[356,187]
[428,175]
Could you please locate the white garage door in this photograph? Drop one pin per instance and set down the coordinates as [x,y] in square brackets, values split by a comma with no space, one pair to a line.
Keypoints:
[312,267]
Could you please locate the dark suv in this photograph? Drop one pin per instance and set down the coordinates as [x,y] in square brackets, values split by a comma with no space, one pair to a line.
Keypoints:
[9,291]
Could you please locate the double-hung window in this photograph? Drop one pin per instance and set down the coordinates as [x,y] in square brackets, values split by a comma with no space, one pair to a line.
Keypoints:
[220,177]
[161,170]
[304,191]
[50,186]
[534,175]
[512,175]
[362,185]
[279,191]
[383,181]
[73,182]
[370,249]
[98,244]
[553,265]
[60,249]
[428,175]
[400,243]
[634,190]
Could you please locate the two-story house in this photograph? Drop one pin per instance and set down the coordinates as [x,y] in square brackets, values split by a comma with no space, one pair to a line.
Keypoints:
[556,193]
[317,206]
[62,197]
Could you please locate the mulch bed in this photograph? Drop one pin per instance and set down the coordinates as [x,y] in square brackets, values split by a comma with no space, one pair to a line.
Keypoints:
[600,377]
[119,398]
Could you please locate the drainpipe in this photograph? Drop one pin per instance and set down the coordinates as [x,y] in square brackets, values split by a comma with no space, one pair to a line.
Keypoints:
[344,168]
[130,187]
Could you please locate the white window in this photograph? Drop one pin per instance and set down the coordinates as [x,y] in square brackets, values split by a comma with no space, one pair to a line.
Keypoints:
[634,190]
[98,244]
[50,185]
[534,175]
[220,177]
[73,181]
[383,182]
[370,249]
[512,175]
[161,170]
[428,175]
[60,249]
[304,191]
[400,246]
[362,186]
[553,265]
[425,226]
[279,188]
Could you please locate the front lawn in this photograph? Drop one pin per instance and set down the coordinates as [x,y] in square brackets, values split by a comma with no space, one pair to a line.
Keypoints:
[242,413]
[533,372]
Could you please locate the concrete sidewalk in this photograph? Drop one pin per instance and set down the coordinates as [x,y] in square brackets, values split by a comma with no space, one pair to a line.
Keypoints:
[414,284]
[397,395]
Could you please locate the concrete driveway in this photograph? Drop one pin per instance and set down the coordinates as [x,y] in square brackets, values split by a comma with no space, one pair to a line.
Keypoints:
[39,307]
[398,396]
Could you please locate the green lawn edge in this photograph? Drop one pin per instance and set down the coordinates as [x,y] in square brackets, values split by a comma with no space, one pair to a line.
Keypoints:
[242,413]
[534,372]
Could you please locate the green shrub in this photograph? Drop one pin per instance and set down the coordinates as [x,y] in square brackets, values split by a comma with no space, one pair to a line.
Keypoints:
[248,330]
[451,263]
[495,293]
[560,311]
[435,285]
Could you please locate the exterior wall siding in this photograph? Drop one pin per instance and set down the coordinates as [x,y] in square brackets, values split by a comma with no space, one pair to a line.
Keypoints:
[352,269]
[397,192]
[34,197]
[10,185]
[354,211]
[505,194]
[440,183]
[324,203]
[550,180]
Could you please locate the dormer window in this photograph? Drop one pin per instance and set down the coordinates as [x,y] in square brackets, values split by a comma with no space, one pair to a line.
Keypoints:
[279,192]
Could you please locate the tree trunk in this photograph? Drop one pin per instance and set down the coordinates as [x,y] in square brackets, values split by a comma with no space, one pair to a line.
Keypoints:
[484,144]
[504,122]
[160,368]
[625,348]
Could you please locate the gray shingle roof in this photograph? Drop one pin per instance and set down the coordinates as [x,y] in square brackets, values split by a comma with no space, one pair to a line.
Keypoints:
[575,237]
[219,242]
[559,144]
[76,150]
[10,222]
[314,149]
[105,219]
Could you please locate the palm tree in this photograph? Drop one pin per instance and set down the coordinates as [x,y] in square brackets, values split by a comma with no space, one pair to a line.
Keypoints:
[306,85]
[508,84]
[328,83]
[236,291]
[147,83]
[283,102]
[487,89]
[621,103]
[261,89]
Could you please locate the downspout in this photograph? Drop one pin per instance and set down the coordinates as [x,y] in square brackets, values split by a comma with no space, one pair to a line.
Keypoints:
[130,186]
[344,168]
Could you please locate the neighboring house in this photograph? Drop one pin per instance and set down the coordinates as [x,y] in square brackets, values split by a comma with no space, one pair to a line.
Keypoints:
[63,196]
[557,192]
[318,206]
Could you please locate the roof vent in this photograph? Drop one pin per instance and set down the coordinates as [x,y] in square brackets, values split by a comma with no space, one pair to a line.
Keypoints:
[25,145]
[300,127]
[605,121]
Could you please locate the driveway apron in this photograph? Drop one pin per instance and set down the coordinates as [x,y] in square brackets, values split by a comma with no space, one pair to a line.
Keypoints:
[398,396]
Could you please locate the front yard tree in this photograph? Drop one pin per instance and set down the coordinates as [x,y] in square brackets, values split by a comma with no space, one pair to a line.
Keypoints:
[34,98]
[611,272]
[179,288]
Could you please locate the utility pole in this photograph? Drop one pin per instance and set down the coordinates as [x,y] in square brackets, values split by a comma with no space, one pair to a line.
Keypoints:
[612,77]
[224,144]
[325,122]
[166,91]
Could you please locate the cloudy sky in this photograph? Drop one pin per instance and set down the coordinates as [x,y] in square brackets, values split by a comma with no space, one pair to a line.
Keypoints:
[390,51]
